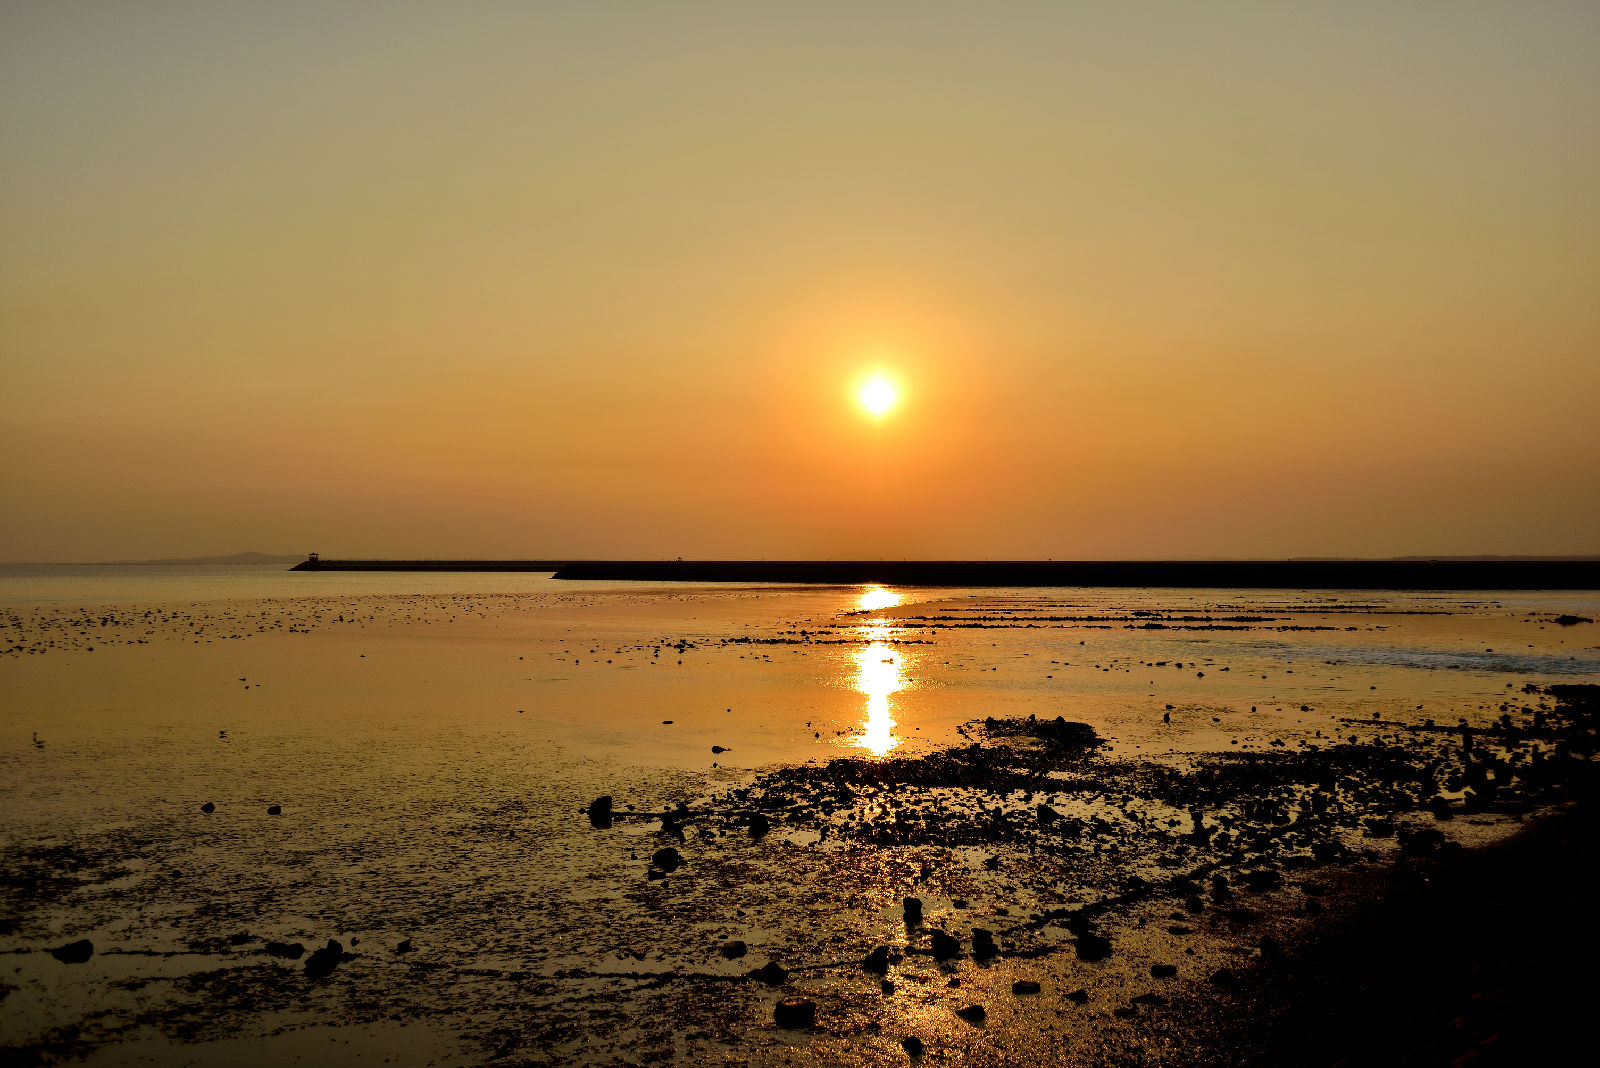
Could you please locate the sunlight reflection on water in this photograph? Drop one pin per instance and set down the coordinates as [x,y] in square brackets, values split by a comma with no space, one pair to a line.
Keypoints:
[876,597]
[878,674]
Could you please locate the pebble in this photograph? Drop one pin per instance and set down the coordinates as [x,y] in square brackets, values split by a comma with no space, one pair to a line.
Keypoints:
[74,952]
[324,960]
[795,1013]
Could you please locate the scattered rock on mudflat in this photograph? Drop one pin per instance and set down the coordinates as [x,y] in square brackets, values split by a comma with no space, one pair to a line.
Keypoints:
[1079,996]
[74,952]
[287,950]
[208,807]
[274,810]
[667,859]
[983,946]
[324,960]
[913,907]
[1163,971]
[795,1013]
[760,826]
[944,946]
[1093,947]
[973,1014]
[877,960]
[600,812]
[404,947]
[912,1045]
[772,973]
[1024,986]
[734,950]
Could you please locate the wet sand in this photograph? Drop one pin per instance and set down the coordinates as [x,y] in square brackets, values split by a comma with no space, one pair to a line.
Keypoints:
[434,759]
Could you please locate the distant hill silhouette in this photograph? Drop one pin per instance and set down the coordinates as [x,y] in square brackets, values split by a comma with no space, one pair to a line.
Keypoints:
[236,558]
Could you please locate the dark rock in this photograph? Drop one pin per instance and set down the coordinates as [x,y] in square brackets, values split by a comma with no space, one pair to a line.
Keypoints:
[887,986]
[1079,996]
[286,950]
[718,749]
[771,973]
[324,960]
[983,946]
[666,859]
[760,826]
[1263,879]
[1571,621]
[1148,999]
[1024,986]
[913,907]
[877,960]
[973,1014]
[734,950]
[240,938]
[912,1045]
[1093,947]
[208,807]
[404,947]
[1194,904]
[1163,971]
[1421,843]
[1225,979]
[1327,850]
[74,952]
[944,946]
[600,812]
[795,1013]
[274,810]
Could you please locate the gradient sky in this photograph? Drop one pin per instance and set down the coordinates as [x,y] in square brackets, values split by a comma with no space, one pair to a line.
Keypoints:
[1168,280]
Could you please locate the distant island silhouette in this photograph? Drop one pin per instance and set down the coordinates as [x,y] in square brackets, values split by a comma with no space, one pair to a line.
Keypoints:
[1498,573]
[250,558]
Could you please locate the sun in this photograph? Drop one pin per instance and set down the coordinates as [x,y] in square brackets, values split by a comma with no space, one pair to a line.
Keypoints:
[878,395]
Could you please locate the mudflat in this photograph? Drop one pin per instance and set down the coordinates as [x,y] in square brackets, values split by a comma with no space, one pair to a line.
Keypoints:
[685,824]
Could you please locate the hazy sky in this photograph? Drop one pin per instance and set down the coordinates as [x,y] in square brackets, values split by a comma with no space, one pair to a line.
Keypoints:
[597,279]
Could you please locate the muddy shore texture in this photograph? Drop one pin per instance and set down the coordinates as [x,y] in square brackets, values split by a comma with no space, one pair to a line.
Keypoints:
[1017,899]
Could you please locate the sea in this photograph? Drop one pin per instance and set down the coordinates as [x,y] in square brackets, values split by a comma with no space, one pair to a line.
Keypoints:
[200,763]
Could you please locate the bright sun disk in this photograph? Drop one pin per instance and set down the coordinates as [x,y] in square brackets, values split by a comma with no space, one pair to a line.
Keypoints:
[878,395]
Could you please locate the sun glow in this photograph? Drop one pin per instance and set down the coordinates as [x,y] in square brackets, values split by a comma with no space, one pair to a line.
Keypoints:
[878,395]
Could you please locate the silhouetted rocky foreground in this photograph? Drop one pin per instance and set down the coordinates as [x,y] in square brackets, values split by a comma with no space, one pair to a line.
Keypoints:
[1312,907]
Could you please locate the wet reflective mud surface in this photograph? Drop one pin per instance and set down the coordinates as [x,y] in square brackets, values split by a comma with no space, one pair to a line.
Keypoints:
[844,826]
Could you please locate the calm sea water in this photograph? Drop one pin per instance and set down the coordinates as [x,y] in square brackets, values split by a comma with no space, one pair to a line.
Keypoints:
[41,584]
[433,739]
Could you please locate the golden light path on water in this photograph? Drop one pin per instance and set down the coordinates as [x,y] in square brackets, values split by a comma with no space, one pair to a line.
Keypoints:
[878,673]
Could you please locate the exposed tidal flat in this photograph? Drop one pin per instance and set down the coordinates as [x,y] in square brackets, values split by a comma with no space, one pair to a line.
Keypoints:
[1138,826]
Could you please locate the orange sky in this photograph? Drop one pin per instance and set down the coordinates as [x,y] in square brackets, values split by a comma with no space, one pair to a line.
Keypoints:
[483,280]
